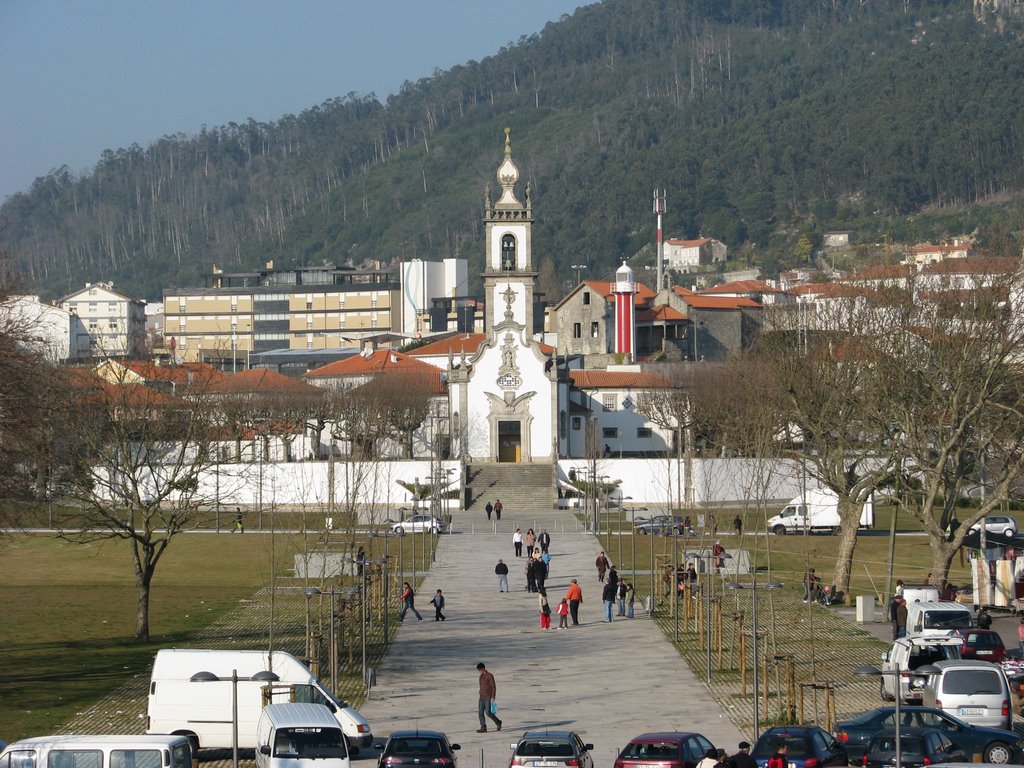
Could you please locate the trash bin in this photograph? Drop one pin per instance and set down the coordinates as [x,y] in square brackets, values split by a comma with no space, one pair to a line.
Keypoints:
[865,609]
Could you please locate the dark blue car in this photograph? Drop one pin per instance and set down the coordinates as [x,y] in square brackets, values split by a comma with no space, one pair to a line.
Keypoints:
[807,746]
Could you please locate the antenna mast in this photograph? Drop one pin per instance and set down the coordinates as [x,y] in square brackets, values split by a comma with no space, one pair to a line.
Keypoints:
[659,209]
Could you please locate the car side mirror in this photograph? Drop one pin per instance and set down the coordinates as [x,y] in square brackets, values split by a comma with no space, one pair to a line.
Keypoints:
[588,747]
[512,746]
[456,747]
[885,657]
[265,749]
[378,745]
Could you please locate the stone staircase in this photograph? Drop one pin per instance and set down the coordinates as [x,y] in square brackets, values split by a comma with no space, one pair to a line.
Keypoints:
[524,489]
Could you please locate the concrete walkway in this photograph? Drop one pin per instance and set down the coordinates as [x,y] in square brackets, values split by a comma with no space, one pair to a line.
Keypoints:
[608,682]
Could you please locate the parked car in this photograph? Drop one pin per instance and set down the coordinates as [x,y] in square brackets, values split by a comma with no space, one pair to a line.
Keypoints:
[661,525]
[975,691]
[417,747]
[984,644]
[670,749]
[918,747]
[1001,524]
[807,746]
[550,749]
[988,745]
[420,524]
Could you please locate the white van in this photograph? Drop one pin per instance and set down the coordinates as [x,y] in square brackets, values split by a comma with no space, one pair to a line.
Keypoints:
[202,710]
[817,510]
[909,653]
[928,618]
[114,751]
[300,736]
[974,691]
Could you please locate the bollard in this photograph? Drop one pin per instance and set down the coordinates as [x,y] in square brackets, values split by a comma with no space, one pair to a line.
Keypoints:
[649,604]
[371,677]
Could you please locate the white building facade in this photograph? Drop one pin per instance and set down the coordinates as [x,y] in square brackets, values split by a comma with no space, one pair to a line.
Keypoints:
[105,322]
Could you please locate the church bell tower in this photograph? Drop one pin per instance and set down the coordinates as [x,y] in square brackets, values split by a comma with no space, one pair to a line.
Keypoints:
[509,277]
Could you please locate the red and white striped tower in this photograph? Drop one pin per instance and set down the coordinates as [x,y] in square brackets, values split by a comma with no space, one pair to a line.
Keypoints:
[623,290]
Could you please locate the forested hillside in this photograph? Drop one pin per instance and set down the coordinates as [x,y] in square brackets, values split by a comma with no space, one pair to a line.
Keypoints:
[764,119]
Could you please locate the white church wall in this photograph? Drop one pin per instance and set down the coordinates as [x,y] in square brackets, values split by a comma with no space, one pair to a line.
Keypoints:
[497,301]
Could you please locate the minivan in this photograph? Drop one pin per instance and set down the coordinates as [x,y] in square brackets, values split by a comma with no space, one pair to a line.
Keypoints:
[109,751]
[909,653]
[928,618]
[300,736]
[975,691]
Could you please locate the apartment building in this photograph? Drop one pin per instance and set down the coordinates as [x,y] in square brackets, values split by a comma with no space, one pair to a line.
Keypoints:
[238,313]
[105,322]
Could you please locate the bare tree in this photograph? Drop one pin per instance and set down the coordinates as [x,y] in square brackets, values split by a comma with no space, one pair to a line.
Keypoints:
[137,472]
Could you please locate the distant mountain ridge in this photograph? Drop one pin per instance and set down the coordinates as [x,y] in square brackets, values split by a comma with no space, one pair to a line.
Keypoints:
[764,120]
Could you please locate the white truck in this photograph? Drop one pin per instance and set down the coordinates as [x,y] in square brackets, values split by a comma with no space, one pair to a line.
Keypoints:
[816,510]
[181,704]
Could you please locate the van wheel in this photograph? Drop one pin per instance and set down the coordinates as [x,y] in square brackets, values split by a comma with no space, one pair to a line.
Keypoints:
[882,692]
[779,530]
[193,743]
[998,752]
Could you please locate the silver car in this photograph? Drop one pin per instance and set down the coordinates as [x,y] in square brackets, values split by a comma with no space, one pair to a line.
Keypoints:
[420,524]
[1001,524]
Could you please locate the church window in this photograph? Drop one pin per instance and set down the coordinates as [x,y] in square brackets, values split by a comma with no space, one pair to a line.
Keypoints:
[577,423]
[595,329]
[609,402]
[508,253]
[561,424]
[586,298]
[577,330]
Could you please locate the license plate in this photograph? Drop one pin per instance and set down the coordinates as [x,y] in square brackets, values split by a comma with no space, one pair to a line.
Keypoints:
[984,653]
[546,764]
[972,710]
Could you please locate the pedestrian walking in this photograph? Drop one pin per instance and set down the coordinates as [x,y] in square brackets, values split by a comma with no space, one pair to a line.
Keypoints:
[809,583]
[1020,635]
[531,575]
[501,571]
[517,542]
[779,759]
[984,618]
[546,559]
[630,599]
[742,759]
[238,520]
[737,526]
[718,552]
[575,596]
[613,576]
[544,540]
[901,617]
[486,705]
[621,597]
[545,608]
[531,540]
[608,599]
[601,563]
[563,615]
[540,570]
[489,509]
[498,507]
[408,598]
[438,602]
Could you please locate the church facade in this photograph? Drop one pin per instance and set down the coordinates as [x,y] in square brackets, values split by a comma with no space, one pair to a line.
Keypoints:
[507,398]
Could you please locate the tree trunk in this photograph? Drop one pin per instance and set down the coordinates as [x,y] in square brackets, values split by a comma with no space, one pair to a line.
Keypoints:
[942,557]
[143,580]
[844,558]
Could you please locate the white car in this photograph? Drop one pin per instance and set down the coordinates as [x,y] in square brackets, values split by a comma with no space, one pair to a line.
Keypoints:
[420,524]
[1001,524]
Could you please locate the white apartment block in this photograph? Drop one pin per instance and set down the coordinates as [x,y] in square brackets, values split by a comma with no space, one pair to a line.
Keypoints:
[105,322]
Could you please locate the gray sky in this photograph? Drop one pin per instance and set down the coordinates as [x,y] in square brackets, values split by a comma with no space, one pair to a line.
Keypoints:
[81,76]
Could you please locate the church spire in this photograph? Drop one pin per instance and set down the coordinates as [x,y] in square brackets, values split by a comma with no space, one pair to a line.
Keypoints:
[508,175]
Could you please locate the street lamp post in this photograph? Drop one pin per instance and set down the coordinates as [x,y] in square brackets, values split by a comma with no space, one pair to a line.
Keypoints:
[309,592]
[754,587]
[266,676]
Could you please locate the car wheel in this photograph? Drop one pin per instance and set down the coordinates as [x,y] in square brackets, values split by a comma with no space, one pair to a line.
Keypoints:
[193,743]
[779,530]
[642,531]
[400,530]
[1009,533]
[998,752]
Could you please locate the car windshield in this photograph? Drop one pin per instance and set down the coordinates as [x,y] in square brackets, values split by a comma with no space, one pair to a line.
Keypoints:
[415,746]
[796,745]
[947,620]
[983,640]
[968,681]
[544,748]
[885,745]
[309,743]
[651,750]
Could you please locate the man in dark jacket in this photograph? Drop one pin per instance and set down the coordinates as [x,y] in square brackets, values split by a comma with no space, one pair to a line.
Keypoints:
[501,571]
[742,759]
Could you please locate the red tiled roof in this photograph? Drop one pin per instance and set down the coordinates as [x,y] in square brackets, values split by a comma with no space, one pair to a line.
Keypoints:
[406,380]
[460,342]
[698,301]
[89,387]
[261,381]
[182,374]
[604,288]
[659,314]
[683,291]
[883,272]
[689,243]
[585,379]
[740,286]
[918,249]
[381,361]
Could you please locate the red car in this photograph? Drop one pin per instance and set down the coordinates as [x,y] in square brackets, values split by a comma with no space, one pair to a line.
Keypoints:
[982,644]
[664,750]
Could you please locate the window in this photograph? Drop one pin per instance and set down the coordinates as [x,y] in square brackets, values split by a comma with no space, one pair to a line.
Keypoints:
[20,759]
[609,402]
[595,330]
[577,423]
[508,253]
[610,432]
[135,758]
[644,433]
[74,758]
[577,330]
[586,298]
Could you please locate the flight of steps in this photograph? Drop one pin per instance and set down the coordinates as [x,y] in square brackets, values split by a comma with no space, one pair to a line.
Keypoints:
[523,488]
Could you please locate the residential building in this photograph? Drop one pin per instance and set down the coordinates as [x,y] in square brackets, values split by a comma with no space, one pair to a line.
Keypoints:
[931,254]
[688,255]
[238,313]
[182,380]
[837,238]
[44,329]
[105,322]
